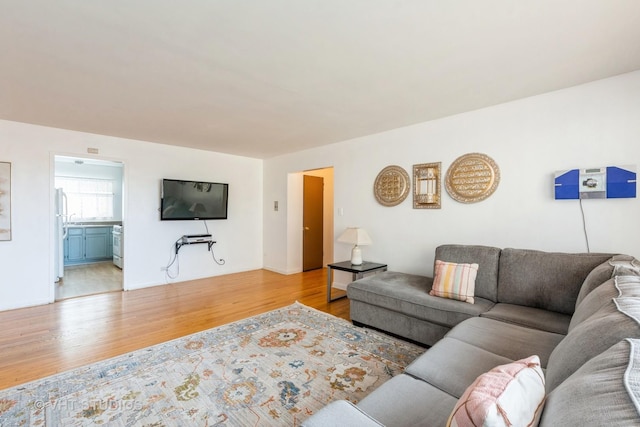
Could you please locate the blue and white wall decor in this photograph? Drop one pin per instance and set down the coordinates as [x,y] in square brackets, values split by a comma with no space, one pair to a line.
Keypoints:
[610,182]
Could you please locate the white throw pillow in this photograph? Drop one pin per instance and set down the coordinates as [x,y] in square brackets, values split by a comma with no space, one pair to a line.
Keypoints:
[508,395]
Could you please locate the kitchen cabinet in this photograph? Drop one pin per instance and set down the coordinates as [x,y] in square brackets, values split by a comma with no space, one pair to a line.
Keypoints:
[88,244]
[75,245]
[97,243]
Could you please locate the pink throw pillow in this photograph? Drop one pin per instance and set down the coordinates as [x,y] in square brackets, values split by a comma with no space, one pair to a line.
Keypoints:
[507,395]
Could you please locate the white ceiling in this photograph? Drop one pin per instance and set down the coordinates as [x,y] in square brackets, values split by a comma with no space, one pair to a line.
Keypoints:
[260,78]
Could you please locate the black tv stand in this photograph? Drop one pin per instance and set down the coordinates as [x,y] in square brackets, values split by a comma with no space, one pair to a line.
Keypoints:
[181,243]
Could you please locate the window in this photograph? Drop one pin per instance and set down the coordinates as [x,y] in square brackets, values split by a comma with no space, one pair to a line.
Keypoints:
[88,198]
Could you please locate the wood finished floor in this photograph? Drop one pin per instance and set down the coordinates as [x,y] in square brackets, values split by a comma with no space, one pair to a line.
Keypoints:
[40,341]
[88,279]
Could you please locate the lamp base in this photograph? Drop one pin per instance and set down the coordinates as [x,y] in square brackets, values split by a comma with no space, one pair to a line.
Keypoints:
[356,256]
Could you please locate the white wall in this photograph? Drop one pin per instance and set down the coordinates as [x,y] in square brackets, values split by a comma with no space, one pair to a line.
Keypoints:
[26,262]
[596,124]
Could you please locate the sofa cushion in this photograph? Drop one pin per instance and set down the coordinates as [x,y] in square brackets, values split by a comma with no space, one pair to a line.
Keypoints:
[402,325]
[507,395]
[487,259]
[455,281]
[404,401]
[605,391]
[530,317]
[617,320]
[452,365]
[505,339]
[348,414]
[619,286]
[408,294]
[546,280]
[598,276]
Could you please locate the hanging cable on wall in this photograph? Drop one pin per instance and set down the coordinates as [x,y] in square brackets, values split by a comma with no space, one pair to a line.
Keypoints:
[173,259]
[219,262]
[584,225]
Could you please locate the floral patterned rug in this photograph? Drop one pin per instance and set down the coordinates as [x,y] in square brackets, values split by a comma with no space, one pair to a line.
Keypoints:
[276,368]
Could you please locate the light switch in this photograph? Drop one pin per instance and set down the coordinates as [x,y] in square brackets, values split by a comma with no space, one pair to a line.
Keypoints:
[275,205]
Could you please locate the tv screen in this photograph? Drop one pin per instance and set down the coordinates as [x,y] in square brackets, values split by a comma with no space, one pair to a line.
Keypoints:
[190,200]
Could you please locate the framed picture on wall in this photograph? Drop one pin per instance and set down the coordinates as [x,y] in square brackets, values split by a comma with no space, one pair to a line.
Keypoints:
[5,201]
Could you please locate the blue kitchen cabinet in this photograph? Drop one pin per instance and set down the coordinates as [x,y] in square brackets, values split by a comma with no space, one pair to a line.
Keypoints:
[75,245]
[88,244]
[96,242]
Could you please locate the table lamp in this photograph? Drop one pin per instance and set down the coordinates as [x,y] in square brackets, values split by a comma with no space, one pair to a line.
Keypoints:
[357,237]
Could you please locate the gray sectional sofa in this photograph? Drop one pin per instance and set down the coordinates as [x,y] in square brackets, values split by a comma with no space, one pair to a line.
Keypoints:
[579,313]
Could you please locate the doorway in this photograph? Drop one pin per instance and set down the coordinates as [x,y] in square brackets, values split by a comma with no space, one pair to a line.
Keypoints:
[312,220]
[295,221]
[88,195]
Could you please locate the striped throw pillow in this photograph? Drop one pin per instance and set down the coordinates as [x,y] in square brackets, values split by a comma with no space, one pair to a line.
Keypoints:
[454,281]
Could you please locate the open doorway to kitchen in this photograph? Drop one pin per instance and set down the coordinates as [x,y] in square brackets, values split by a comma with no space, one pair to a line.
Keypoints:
[88,234]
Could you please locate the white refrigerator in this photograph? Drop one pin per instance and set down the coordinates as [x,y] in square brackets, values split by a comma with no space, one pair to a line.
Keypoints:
[60,232]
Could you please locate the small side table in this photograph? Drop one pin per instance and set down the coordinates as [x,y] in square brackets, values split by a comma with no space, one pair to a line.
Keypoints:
[357,272]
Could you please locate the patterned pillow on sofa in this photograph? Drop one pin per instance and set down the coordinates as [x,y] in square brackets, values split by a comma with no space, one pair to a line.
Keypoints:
[455,281]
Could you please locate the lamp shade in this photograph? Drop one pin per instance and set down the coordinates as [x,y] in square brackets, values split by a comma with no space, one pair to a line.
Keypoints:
[355,236]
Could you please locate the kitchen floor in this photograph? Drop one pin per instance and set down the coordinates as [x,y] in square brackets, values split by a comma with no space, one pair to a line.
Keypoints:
[87,279]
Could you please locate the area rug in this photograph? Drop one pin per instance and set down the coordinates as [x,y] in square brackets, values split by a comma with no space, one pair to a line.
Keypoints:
[276,368]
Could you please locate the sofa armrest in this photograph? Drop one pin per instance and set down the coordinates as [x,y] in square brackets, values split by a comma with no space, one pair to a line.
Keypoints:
[342,413]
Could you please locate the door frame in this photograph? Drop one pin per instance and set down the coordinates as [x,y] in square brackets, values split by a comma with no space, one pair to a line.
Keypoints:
[312,216]
[52,224]
[294,217]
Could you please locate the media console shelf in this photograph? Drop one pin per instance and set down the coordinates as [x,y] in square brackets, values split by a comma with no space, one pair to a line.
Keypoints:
[194,240]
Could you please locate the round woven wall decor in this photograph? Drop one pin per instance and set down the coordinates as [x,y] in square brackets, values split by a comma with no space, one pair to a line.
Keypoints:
[472,177]
[391,186]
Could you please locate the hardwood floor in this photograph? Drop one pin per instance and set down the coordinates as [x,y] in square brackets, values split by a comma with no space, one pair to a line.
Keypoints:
[40,341]
[88,279]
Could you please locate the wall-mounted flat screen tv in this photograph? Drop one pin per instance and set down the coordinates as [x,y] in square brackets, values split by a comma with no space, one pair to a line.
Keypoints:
[193,200]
